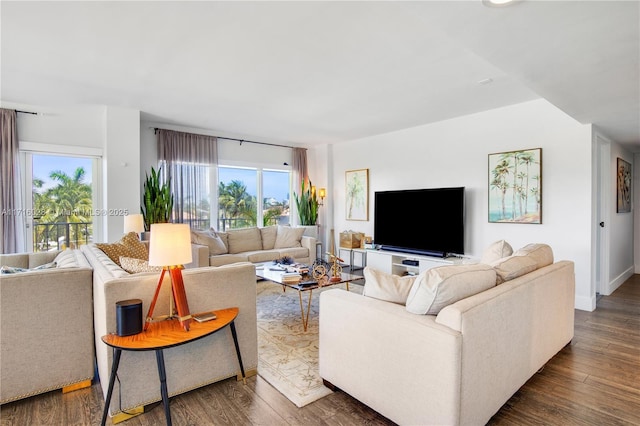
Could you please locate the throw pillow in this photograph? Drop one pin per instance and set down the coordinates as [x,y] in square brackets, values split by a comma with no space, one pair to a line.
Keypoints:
[495,251]
[541,253]
[66,259]
[439,287]
[128,246]
[268,237]
[133,265]
[388,287]
[246,239]
[513,267]
[210,239]
[287,237]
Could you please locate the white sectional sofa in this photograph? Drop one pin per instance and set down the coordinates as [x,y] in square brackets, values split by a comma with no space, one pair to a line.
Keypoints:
[46,324]
[252,244]
[457,366]
[189,366]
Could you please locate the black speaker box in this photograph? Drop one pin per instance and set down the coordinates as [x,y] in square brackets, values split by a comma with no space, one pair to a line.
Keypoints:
[128,317]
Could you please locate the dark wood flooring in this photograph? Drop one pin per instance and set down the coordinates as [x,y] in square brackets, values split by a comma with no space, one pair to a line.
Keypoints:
[593,381]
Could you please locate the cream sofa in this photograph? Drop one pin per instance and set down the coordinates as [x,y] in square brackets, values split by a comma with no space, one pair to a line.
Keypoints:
[190,366]
[251,245]
[46,324]
[454,368]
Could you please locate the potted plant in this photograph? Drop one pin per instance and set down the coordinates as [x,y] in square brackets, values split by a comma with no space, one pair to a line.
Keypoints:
[307,206]
[157,200]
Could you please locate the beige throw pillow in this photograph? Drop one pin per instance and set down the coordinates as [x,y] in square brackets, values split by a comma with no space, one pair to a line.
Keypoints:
[128,246]
[287,237]
[210,239]
[268,234]
[247,239]
[388,287]
[513,267]
[495,251]
[133,265]
[540,253]
[439,287]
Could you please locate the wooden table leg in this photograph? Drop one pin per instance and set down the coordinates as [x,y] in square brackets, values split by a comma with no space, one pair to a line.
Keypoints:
[163,385]
[112,379]
[232,326]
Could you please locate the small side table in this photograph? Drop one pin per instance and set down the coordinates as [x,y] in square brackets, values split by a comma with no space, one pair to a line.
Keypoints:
[162,335]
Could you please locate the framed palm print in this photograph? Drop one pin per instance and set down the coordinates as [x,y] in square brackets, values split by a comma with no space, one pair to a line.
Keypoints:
[357,194]
[515,186]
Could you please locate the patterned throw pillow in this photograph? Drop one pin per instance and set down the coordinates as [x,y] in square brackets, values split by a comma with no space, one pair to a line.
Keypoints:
[12,270]
[133,265]
[128,246]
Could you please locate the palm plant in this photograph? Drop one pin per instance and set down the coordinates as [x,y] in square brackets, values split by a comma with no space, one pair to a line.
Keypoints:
[157,199]
[307,205]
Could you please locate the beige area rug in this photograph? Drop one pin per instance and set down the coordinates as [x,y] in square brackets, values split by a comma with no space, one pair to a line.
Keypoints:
[287,355]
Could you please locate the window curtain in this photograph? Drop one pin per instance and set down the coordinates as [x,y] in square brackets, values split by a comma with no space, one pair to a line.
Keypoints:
[189,161]
[11,229]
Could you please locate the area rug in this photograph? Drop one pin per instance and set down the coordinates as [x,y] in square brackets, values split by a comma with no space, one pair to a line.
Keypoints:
[287,355]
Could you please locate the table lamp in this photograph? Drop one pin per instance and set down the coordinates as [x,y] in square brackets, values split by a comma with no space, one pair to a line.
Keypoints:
[134,223]
[170,247]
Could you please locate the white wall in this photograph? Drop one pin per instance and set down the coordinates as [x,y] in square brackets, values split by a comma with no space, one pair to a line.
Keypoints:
[621,258]
[636,212]
[454,153]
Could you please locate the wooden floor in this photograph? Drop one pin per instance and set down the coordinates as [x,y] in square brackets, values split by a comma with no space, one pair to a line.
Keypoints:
[593,381]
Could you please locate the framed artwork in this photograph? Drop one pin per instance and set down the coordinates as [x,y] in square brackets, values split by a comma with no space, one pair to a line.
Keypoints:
[624,186]
[357,194]
[515,186]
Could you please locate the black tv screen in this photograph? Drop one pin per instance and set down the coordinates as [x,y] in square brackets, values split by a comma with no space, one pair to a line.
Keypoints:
[421,221]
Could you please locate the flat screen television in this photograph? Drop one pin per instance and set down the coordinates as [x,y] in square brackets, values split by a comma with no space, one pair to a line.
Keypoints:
[420,221]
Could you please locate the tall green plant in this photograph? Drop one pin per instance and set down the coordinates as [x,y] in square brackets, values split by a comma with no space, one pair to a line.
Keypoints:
[307,205]
[157,200]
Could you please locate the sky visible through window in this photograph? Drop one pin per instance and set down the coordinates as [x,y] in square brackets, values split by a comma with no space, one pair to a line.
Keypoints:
[43,165]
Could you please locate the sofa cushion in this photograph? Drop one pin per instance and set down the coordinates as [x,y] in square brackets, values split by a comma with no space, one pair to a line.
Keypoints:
[128,246]
[268,237]
[133,265]
[210,239]
[495,251]
[17,260]
[439,287]
[295,252]
[226,259]
[388,287]
[540,253]
[262,256]
[41,258]
[247,239]
[287,237]
[513,267]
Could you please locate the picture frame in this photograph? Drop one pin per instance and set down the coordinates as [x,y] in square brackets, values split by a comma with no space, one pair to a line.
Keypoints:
[515,186]
[357,194]
[623,185]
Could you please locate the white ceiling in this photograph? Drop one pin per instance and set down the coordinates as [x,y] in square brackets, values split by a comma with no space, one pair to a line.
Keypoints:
[325,72]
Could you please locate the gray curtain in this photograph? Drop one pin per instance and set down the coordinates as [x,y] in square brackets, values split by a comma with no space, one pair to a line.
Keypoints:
[299,168]
[11,229]
[189,160]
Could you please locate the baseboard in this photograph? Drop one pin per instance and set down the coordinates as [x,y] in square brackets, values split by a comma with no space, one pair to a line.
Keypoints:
[618,281]
[585,303]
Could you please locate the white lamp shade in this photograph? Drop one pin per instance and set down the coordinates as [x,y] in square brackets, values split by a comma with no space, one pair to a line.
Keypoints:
[170,244]
[133,223]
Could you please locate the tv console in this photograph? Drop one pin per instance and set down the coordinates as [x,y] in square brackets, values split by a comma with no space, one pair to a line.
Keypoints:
[399,263]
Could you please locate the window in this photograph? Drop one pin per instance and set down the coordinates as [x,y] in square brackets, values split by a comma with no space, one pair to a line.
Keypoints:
[239,188]
[60,200]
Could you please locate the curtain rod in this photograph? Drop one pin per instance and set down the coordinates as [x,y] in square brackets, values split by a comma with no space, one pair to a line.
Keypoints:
[26,112]
[155,130]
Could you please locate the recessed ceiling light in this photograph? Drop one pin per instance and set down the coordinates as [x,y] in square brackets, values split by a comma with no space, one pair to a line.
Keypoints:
[485,81]
[499,3]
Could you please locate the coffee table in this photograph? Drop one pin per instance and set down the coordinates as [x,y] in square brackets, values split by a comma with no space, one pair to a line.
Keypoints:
[269,271]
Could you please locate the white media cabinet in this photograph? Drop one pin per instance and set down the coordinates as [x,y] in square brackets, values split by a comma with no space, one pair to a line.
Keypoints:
[391,262]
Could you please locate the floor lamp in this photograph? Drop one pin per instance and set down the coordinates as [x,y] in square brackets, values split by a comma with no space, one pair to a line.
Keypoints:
[170,247]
